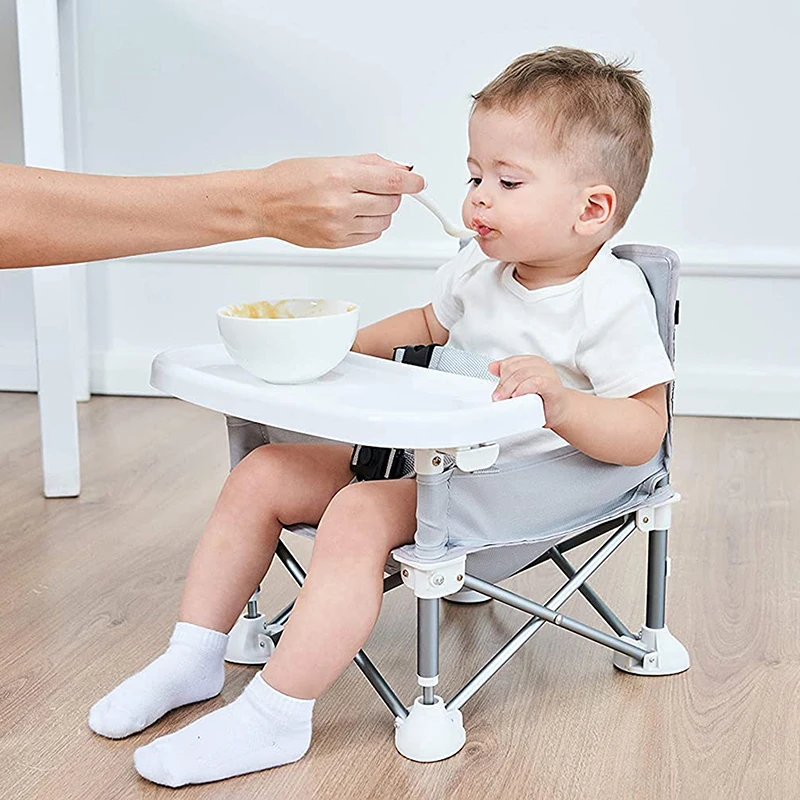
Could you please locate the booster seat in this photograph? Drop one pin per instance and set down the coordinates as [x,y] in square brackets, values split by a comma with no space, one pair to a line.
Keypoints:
[451,560]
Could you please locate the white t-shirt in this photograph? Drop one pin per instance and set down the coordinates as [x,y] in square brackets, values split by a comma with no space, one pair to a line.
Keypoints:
[599,330]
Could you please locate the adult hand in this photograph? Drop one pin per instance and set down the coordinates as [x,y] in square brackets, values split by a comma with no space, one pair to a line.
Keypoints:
[331,202]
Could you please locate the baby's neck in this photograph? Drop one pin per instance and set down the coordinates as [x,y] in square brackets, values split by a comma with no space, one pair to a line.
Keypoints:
[537,276]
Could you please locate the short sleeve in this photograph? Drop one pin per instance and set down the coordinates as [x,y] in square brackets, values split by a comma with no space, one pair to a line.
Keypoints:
[447,305]
[620,351]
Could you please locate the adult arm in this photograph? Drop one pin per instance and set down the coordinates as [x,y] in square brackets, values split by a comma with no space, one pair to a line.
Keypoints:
[49,217]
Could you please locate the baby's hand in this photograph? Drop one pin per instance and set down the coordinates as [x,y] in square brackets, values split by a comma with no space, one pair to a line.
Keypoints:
[521,375]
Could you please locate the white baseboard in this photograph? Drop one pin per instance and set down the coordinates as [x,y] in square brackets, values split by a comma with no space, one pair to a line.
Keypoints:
[700,391]
[17,369]
[120,372]
[714,392]
[123,372]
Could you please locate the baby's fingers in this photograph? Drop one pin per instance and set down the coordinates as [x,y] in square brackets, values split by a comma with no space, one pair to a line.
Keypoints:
[533,385]
[508,384]
[503,390]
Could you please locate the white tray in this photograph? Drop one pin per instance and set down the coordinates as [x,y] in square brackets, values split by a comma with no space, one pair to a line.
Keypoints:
[364,400]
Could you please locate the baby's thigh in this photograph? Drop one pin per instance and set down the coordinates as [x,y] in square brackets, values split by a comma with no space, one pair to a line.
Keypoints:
[371,516]
[295,481]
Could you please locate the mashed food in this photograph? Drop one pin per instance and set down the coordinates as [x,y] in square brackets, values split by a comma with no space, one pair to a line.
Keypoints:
[263,310]
[283,309]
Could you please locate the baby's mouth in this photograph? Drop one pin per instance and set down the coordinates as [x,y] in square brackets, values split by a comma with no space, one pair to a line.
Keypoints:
[482,230]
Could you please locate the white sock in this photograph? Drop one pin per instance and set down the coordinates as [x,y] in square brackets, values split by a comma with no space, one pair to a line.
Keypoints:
[191,669]
[262,728]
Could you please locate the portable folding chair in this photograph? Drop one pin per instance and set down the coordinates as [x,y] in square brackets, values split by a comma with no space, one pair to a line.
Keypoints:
[432,729]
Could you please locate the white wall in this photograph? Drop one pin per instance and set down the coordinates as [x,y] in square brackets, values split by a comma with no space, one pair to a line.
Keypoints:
[186,85]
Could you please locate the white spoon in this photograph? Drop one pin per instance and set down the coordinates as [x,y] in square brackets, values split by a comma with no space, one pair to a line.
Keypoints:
[449,228]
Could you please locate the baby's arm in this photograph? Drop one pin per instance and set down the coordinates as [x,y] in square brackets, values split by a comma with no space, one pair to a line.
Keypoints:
[624,430]
[415,326]
[620,430]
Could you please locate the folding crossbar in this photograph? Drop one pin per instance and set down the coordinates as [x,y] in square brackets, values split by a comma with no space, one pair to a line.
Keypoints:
[547,613]
[556,555]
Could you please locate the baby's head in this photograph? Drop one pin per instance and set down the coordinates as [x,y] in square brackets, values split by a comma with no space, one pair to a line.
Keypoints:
[560,147]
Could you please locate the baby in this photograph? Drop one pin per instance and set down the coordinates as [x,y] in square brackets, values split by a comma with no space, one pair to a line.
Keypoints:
[560,147]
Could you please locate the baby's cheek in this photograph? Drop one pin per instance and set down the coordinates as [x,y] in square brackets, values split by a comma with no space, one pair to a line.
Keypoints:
[466,212]
[528,232]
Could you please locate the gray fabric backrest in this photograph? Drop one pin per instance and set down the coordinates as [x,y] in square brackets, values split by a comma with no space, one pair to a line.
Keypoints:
[661,267]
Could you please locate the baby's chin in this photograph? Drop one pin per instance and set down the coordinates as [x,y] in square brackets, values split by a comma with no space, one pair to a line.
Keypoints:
[495,246]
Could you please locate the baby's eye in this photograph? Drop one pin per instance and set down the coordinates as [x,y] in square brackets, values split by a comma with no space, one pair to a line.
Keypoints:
[510,184]
[474,182]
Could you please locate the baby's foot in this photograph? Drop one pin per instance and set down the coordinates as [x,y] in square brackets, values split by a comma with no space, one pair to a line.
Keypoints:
[262,728]
[191,669]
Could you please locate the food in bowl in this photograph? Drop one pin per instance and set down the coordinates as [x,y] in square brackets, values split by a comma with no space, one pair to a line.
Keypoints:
[290,341]
[283,309]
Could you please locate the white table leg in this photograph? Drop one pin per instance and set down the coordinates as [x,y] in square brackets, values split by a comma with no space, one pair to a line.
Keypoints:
[43,132]
[57,409]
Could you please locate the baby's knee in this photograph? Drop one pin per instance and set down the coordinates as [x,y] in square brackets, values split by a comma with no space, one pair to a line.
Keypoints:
[362,518]
[355,505]
[261,467]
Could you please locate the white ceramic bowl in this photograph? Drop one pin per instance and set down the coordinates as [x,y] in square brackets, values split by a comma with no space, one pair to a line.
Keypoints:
[313,340]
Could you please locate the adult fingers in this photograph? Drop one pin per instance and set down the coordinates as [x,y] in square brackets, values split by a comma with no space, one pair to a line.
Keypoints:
[374,159]
[385,179]
[359,238]
[347,240]
[363,204]
[363,225]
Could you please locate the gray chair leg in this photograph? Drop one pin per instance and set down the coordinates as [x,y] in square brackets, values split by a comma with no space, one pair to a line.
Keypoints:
[428,648]
[666,656]
[657,566]
[430,732]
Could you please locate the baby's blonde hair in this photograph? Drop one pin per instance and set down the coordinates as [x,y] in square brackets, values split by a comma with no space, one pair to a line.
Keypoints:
[596,110]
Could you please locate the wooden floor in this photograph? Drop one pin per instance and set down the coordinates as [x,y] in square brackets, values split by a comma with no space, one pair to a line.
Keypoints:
[89,590]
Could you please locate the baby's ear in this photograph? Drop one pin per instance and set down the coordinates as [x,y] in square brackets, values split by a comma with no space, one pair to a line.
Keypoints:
[599,205]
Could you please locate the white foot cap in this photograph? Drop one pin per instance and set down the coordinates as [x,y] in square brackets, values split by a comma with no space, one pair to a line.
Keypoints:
[669,656]
[249,642]
[467,597]
[429,732]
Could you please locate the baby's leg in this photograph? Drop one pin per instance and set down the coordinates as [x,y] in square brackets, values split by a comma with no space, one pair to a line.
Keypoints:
[270,723]
[341,597]
[274,486]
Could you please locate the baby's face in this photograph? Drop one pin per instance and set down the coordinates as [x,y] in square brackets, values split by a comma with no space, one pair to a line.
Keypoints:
[523,198]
